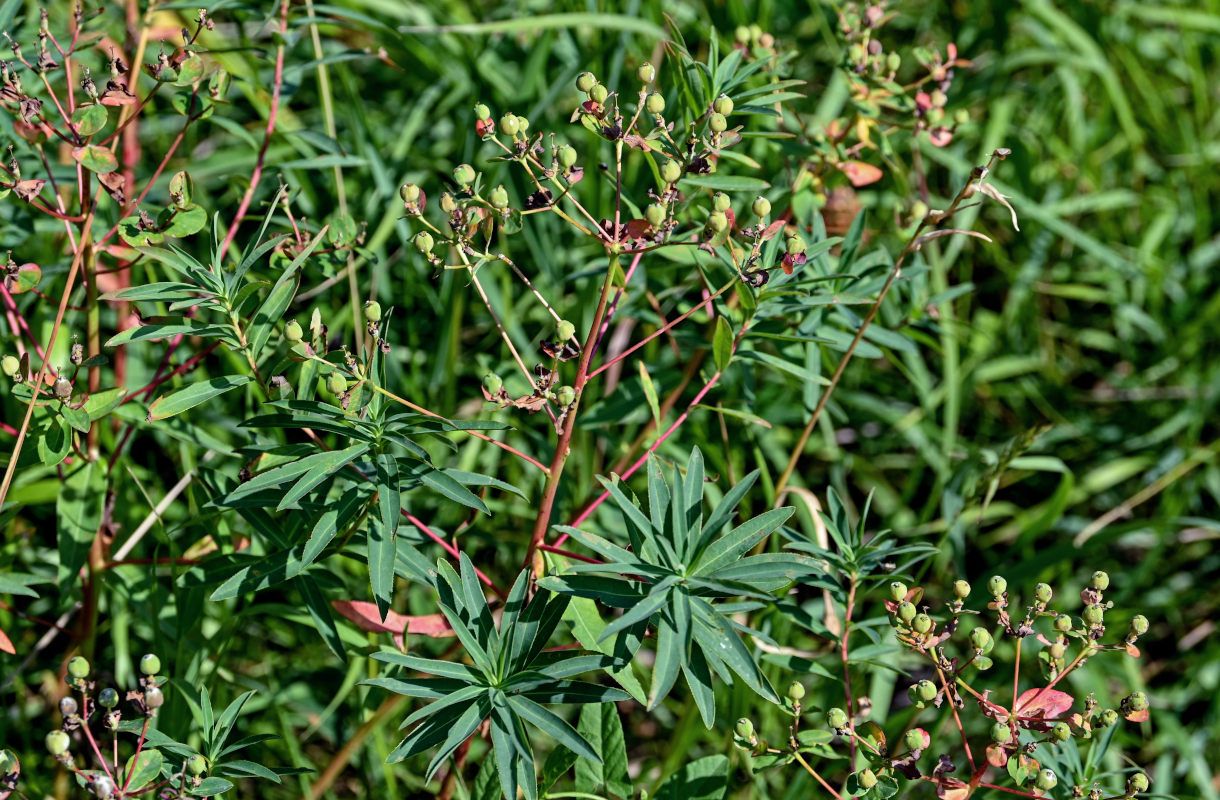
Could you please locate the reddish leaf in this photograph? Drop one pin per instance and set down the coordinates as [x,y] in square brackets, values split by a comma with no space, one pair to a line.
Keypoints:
[1035,705]
[997,755]
[28,189]
[940,137]
[1130,716]
[861,173]
[923,101]
[6,644]
[366,617]
[952,789]
[774,228]
[1133,651]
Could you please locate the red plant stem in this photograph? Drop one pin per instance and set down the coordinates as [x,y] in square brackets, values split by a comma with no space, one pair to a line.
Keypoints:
[9,429]
[949,698]
[584,515]
[618,295]
[851,713]
[277,86]
[93,743]
[139,747]
[1016,672]
[17,320]
[569,554]
[450,549]
[660,331]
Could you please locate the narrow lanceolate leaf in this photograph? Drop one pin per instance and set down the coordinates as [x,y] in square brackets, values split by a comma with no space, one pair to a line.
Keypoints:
[447,486]
[739,540]
[601,727]
[671,654]
[277,300]
[381,552]
[319,611]
[587,626]
[176,402]
[322,467]
[722,344]
[550,723]
[79,509]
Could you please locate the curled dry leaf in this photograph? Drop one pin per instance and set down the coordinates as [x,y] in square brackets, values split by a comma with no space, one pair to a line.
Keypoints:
[861,173]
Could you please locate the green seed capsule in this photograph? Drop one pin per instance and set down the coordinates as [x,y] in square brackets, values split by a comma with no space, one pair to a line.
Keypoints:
[742,34]
[745,728]
[907,612]
[336,383]
[10,365]
[149,663]
[1063,623]
[717,221]
[586,81]
[1137,701]
[409,193]
[796,691]
[646,73]
[510,124]
[481,112]
[926,690]
[293,332]
[723,105]
[721,201]
[961,590]
[1046,780]
[655,103]
[423,242]
[68,706]
[1057,650]
[107,698]
[655,214]
[1100,581]
[78,667]
[761,207]
[1043,593]
[565,330]
[913,739]
[372,311]
[448,203]
[717,123]
[980,639]
[1061,732]
[893,61]
[867,779]
[913,696]
[836,718]
[1138,783]
[1139,625]
[961,116]
[464,174]
[565,396]
[997,586]
[196,765]
[599,93]
[922,623]
[57,743]
[498,198]
[1094,614]
[1107,718]
[1000,733]
[795,245]
[671,171]
[567,156]
[493,383]
[898,591]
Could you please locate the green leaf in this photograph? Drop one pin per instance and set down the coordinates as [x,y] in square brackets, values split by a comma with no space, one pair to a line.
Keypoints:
[185,222]
[381,553]
[650,394]
[176,402]
[210,787]
[587,626]
[602,727]
[78,418]
[55,442]
[447,486]
[276,303]
[95,158]
[728,183]
[722,344]
[736,542]
[141,770]
[319,610]
[163,330]
[79,510]
[704,779]
[554,726]
[90,119]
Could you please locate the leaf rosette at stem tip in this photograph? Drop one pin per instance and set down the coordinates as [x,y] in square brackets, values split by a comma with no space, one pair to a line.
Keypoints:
[511,679]
[679,577]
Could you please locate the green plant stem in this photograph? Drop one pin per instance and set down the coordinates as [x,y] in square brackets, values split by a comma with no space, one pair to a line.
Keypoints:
[911,246]
[562,446]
